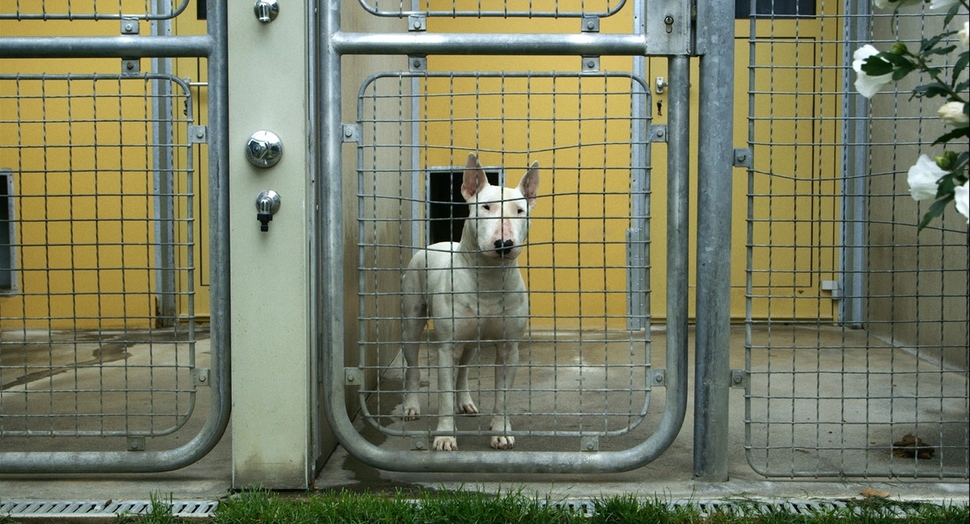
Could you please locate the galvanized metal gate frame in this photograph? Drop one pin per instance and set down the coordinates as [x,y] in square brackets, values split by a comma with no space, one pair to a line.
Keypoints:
[213,47]
[714,42]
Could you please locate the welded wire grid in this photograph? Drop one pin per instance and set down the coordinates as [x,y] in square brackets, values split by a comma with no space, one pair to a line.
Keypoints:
[848,377]
[495,8]
[91,10]
[583,372]
[88,347]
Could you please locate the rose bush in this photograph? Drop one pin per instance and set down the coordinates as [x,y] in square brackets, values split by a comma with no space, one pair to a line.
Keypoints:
[943,178]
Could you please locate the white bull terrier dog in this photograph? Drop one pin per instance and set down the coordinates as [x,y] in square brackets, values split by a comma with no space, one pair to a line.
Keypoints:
[473,292]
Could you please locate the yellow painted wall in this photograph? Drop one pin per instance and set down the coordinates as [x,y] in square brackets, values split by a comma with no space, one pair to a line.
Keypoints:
[798,145]
[84,197]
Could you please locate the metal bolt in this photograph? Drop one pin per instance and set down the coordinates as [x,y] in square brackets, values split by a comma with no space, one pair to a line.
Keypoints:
[669,20]
[128,26]
[590,446]
[660,133]
[590,63]
[417,63]
[590,25]
[348,132]
[737,379]
[350,378]
[742,157]
[417,24]
[199,133]
[658,379]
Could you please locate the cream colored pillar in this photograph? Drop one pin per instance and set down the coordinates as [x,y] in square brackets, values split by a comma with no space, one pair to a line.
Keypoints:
[272,365]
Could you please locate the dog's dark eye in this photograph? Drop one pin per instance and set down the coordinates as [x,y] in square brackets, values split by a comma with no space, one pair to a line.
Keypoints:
[486,207]
[520,211]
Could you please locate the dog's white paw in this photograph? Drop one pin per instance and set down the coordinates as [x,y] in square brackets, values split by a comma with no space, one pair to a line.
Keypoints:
[411,410]
[467,406]
[445,444]
[503,442]
[411,414]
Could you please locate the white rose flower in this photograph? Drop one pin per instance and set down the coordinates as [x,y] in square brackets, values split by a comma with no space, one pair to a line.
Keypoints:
[943,4]
[952,113]
[923,178]
[962,196]
[867,85]
[964,34]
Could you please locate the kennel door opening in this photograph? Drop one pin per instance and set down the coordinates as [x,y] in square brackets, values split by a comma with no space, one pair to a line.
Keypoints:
[583,377]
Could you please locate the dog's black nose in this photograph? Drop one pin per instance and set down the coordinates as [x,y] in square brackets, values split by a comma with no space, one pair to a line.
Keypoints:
[503,248]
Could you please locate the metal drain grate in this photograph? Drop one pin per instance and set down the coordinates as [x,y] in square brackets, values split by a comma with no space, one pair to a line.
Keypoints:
[32,509]
[747,507]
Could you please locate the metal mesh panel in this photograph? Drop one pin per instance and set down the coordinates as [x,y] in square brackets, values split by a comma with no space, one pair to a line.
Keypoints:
[92,10]
[582,371]
[495,8]
[96,224]
[857,328]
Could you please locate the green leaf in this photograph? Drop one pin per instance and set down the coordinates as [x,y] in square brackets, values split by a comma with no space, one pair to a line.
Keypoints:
[876,65]
[954,9]
[955,133]
[941,50]
[935,210]
[931,90]
[960,64]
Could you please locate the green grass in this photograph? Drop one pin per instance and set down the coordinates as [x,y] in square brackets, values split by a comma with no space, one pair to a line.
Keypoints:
[261,506]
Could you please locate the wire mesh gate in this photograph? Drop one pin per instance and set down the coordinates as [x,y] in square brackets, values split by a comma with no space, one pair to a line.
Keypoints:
[857,332]
[585,369]
[103,365]
[584,375]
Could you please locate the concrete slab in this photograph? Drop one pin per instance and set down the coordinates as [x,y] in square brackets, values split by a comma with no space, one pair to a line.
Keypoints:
[670,476]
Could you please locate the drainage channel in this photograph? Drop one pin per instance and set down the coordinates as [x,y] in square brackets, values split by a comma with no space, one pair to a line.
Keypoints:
[102,509]
[109,509]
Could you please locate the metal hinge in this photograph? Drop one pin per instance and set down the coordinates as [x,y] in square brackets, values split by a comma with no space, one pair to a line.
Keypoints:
[657,377]
[589,443]
[591,24]
[739,378]
[417,64]
[200,376]
[417,23]
[136,444]
[353,377]
[351,133]
[658,132]
[591,64]
[130,66]
[743,157]
[197,134]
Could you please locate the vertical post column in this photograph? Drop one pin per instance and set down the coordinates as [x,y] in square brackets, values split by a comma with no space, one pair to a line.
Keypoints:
[715,44]
[273,371]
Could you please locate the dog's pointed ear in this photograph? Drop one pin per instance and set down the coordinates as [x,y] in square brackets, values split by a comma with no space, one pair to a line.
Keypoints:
[474,179]
[529,186]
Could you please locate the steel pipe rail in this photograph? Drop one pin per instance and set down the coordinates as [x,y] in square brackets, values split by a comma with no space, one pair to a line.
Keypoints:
[106,46]
[421,44]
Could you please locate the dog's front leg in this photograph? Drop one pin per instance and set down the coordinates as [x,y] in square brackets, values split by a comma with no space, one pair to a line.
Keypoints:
[506,360]
[465,403]
[446,398]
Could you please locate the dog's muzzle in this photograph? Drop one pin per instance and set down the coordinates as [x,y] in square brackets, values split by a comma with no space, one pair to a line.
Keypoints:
[503,247]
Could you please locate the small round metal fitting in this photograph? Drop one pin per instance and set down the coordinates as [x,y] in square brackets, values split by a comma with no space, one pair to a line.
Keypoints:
[266,10]
[264,149]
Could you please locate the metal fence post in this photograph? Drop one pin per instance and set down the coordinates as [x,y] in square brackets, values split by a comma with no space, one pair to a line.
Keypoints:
[715,45]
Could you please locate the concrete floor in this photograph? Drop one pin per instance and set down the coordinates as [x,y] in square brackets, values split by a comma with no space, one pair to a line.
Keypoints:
[670,476]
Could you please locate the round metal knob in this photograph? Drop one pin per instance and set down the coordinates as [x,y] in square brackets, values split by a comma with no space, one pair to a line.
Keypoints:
[266,10]
[264,149]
